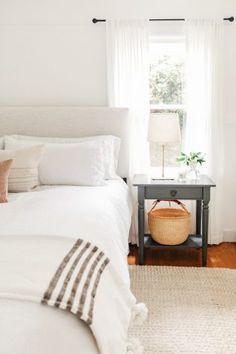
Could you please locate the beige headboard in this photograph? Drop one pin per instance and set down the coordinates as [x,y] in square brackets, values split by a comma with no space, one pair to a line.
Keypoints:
[69,121]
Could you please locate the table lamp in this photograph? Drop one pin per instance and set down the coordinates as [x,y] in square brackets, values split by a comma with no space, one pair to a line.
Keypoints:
[164,129]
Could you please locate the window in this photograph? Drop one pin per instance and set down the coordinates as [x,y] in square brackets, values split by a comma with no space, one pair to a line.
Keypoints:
[167,84]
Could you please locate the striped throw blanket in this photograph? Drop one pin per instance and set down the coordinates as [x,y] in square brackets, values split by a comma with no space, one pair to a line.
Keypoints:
[79,282]
[72,275]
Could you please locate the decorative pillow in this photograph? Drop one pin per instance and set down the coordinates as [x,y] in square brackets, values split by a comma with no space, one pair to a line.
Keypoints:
[4,173]
[24,171]
[110,145]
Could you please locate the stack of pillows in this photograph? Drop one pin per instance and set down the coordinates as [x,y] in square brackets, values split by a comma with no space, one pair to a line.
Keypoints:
[26,162]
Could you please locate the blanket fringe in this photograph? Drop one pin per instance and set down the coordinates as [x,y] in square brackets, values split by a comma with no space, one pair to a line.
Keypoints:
[134,346]
[139,314]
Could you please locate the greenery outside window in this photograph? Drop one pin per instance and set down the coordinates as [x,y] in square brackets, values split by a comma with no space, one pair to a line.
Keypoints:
[167,86]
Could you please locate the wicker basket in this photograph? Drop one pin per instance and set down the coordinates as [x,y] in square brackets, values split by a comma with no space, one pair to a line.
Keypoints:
[169,226]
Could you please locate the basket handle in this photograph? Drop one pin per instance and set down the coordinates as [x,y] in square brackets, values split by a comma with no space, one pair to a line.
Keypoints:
[174,201]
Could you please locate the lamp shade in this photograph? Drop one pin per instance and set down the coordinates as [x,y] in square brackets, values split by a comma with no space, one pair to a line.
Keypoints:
[164,128]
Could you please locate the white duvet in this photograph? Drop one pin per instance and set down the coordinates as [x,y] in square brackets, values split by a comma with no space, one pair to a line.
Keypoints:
[102,215]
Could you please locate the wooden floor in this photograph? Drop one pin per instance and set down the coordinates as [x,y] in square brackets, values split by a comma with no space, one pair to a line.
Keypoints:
[222,256]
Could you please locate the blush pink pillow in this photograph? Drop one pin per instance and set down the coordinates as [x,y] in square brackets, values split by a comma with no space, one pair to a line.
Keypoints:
[4,173]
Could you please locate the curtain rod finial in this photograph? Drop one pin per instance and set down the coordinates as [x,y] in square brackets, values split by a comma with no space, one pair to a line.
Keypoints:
[230,19]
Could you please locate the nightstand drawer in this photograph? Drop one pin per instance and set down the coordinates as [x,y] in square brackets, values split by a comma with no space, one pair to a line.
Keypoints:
[156,192]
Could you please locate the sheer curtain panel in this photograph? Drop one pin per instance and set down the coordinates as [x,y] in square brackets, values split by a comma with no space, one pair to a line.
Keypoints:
[128,86]
[204,125]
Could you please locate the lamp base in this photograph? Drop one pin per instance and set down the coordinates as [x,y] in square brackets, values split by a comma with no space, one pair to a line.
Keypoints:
[155,174]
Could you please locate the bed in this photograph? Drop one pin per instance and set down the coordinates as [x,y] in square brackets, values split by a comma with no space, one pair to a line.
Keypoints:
[34,225]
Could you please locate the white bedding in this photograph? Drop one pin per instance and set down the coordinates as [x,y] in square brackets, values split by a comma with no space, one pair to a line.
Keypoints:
[103,215]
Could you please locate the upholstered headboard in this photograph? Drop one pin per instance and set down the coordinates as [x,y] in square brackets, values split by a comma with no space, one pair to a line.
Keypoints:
[69,121]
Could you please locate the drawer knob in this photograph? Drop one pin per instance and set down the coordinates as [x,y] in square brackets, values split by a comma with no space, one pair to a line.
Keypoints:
[173,193]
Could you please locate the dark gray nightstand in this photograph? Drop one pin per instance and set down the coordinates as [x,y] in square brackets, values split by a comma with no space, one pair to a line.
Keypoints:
[170,190]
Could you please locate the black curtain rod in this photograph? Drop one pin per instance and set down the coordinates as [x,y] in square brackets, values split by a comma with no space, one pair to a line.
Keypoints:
[230,19]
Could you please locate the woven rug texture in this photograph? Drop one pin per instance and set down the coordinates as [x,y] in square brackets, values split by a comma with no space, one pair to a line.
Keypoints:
[191,310]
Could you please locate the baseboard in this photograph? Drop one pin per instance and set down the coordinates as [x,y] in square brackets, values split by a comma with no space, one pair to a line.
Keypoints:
[229,236]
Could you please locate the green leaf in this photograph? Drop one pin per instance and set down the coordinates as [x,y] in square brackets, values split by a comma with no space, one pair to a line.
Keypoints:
[193,157]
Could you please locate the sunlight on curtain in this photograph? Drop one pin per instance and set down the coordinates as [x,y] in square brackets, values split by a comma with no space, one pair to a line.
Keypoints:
[128,86]
[204,124]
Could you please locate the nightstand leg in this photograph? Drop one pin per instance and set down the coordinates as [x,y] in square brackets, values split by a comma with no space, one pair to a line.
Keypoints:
[141,224]
[199,218]
[205,218]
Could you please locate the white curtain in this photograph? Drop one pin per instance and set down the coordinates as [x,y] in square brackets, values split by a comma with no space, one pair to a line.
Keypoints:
[128,86]
[204,125]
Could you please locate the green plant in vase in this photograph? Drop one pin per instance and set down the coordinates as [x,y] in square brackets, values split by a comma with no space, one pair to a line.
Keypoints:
[193,160]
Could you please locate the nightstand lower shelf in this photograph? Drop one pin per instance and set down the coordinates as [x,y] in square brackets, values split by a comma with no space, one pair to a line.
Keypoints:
[193,241]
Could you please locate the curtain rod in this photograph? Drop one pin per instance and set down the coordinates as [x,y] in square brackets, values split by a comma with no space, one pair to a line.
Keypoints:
[230,19]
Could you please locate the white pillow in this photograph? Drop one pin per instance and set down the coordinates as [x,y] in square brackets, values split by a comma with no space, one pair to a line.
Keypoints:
[72,164]
[24,170]
[111,148]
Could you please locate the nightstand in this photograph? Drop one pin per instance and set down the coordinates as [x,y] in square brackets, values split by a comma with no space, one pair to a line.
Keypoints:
[199,190]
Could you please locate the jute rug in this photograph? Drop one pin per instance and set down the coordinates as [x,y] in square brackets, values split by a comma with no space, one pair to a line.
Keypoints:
[191,310]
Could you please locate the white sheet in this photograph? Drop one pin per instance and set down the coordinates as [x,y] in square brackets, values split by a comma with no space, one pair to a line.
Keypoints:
[103,211]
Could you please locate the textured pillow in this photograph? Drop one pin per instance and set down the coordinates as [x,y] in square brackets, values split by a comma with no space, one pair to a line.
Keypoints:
[4,173]
[110,145]
[24,170]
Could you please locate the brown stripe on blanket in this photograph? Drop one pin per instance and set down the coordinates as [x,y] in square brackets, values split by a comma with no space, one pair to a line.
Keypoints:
[54,281]
[84,271]
[69,274]
[78,278]
[87,283]
[93,294]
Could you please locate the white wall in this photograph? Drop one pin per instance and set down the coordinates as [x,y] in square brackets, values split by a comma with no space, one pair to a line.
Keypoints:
[51,53]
